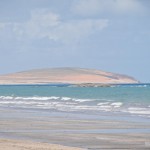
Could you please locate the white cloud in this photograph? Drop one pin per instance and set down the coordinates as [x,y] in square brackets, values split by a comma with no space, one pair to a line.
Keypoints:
[93,7]
[41,21]
[2,26]
[47,24]
[76,30]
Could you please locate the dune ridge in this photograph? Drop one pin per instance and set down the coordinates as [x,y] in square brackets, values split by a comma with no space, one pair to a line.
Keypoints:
[65,75]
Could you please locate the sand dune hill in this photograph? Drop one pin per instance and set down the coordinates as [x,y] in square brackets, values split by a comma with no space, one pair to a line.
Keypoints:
[64,75]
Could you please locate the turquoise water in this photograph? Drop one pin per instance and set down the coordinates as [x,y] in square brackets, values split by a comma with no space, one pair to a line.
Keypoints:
[131,99]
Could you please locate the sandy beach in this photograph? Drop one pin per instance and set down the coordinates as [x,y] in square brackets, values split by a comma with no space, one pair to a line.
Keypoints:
[71,129]
[6,144]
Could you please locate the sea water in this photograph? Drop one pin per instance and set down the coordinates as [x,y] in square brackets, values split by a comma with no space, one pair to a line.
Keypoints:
[132,99]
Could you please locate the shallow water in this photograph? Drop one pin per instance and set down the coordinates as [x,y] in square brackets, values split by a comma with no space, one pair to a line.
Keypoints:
[131,99]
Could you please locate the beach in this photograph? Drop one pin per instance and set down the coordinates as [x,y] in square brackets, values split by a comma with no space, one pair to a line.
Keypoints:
[6,144]
[51,117]
[74,75]
[28,129]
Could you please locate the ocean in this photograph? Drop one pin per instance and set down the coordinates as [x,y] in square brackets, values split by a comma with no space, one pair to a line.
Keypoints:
[130,99]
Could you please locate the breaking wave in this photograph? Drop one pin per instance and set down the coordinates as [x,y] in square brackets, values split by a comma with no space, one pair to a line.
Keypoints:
[73,104]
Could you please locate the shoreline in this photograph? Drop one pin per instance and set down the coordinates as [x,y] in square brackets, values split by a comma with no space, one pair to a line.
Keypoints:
[69,84]
[87,131]
[9,144]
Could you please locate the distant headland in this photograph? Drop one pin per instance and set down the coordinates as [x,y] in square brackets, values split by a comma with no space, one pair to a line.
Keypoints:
[77,76]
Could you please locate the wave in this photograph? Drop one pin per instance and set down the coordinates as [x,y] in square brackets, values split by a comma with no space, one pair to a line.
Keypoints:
[140,111]
[38,98]
[74,104]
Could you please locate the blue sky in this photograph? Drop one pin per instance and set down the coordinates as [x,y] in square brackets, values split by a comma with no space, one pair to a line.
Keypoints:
[110,35]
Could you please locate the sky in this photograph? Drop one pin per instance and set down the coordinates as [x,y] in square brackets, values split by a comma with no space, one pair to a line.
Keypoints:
[110,35]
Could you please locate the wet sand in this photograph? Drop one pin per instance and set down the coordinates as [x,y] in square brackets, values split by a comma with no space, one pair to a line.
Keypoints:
[88,131]
[6,144]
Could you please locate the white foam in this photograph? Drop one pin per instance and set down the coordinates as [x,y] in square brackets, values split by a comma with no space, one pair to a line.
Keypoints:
[6,97]
[71,104]
[137,110]
[65,98]
[105,103]
[19,102]
[83,100]
[29,98]
[105,106]
[37,98]
[54,97]
[117,104]
[110,105]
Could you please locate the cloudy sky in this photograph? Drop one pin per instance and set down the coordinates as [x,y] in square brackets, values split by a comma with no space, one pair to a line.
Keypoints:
[111,35]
